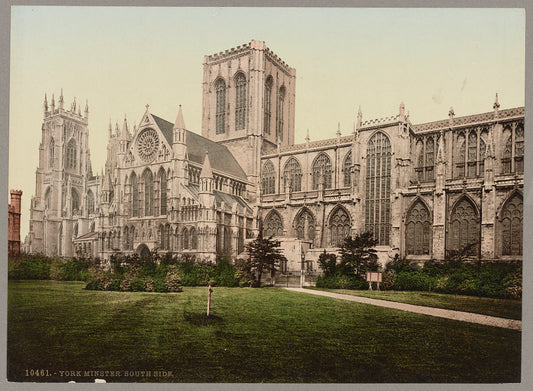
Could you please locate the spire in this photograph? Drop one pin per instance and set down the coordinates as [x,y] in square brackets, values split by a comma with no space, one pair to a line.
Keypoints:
[61,100]
[53,104]
[45,105]
[73,107]
[440,148]
[338,129]
[79,110]
[307,137]
[496,105]
[402,111]
[451,114]
[116,129]
[110,129]
[180,123]
[107,183]
[86,109]
[207,172]
[125,135]
[359,118]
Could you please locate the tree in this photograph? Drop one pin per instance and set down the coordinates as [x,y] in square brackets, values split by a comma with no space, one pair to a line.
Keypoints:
[358,253]
[328,263]
[264,255]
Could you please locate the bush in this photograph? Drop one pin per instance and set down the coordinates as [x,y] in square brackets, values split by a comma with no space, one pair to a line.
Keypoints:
[341,281]
[414,281]
[173,281]
[137,285]
[225,274]
[74,270]
[29,268]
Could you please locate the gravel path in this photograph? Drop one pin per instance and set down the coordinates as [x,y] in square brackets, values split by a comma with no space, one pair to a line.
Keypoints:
[439,312]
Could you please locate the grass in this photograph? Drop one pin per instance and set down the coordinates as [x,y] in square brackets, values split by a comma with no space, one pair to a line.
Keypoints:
[503,308]
[254,335]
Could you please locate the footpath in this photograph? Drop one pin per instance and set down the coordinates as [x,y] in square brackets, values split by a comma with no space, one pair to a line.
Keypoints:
[439,312]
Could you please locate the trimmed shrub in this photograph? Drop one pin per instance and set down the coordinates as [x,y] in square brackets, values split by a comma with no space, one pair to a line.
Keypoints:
[414,281]
[173,280]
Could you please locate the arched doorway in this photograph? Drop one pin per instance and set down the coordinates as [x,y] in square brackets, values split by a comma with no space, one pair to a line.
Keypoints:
[144,252]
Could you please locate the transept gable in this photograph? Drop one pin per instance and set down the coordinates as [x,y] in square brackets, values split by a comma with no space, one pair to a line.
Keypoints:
[151,142]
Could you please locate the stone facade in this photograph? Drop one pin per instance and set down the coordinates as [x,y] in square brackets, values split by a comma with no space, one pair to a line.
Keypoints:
[422,189]
[13,226]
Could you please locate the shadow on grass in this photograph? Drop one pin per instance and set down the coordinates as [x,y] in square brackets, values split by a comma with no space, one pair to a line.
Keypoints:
[201,319]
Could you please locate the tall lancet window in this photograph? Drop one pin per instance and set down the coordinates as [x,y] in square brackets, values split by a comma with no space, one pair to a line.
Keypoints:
[378,173]
[346,170]
[268,178]
[240,101]
[51,153]
[519,150]
[148,193]
[220,88]
[71,155]
[134,195]
[268,105]
[279,113]
[418,229]
[512,222]
[292,175]
[163,193]
[322,169]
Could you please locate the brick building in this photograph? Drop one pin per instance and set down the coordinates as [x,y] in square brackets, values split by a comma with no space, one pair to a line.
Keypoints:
[14,223]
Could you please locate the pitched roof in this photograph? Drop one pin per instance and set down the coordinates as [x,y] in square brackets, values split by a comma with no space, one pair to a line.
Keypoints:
[220,157]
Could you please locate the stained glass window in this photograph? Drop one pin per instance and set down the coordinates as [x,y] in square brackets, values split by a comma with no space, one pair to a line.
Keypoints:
[464,227]
[347,168]
[378,174]
[305,225]
[240,101]
[292,174]
[268,178]
[273,225]
[268,104]
[220,88]
[134,195]
[339,227]
[418,230]
[322,168]
[163,193]
[148,193]
[90,202]
[512,222]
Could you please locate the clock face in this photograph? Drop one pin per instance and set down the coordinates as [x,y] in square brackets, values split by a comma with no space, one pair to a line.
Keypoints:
[147,145]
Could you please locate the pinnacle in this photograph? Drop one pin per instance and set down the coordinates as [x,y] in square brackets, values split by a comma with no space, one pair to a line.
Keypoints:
[180,123]
[207,172]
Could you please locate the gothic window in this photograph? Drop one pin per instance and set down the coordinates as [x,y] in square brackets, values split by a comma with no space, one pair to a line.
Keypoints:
[51,152]
[472,154]
[75,201]
[346,170]
[273,225]
[511,223]
[292,175]
[464,227]
[185,239]
[90,202]
[132,237]
[71,155]
[378,173]
[220,88]
[162,236]
[163,192]
[134,195]
[279,113]
[148,179]
[322,169]
[461,154]
[126,238]
[227,240]
[47,199]
[418,230]
[240,101]
[481,157]
[194,239]
[269,178]
[76,230]
[430,159]
[519,150]
[268,104]
[305,225]
[507,155]
[339,227]
[420,161]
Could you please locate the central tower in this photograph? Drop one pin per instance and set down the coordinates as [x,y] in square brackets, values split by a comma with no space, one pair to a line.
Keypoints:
[248,103]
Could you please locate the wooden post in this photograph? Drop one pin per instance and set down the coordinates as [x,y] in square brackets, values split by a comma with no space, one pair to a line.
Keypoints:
[209,290]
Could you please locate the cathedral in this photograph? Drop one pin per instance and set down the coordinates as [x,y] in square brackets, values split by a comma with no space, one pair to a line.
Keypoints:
[421,189]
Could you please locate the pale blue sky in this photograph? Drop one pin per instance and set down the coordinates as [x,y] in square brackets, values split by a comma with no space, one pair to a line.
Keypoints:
[120,59]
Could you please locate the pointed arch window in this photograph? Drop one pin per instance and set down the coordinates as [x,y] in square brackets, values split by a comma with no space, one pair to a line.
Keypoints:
[292,175]
[51,153]
[162,236]
[418,230]
[220,89]
[273,225]
[134,195]
[240,101]
[519,150]
[90,202]
[126,237]
[185,239]
[378,174]
[322,170]
[163,191]
[71,155]
[464,227]
[268,105]
[269,178]
[511,226]
[148,193]
[279,113]
[339,227]
[75,199]
[305,225]
[507,154]
[470,159]
[461,155]
[425,167]
[347,168]
[194,239]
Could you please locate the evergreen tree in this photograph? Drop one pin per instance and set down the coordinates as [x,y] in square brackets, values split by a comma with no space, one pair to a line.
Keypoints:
[264,255]
[358,253]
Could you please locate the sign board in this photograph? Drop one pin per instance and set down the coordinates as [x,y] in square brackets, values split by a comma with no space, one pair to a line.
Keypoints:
[373,276]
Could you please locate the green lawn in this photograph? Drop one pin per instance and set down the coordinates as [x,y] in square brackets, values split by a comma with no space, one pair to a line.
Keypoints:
[255,335]
[503,308]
